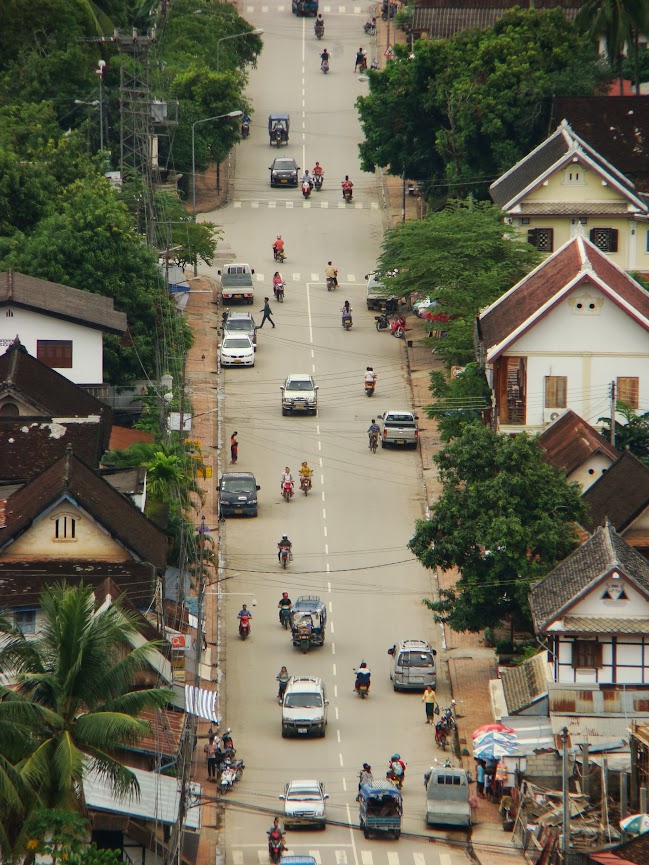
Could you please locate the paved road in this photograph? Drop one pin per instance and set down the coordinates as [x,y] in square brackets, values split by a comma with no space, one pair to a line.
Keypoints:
[350,534]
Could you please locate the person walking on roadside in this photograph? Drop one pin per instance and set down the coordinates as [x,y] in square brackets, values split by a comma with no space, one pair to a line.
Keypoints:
[267,313]
[429,699]
[480,776]
[234,448]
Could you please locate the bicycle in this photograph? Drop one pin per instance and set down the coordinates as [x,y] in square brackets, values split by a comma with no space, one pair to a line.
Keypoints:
[374,442]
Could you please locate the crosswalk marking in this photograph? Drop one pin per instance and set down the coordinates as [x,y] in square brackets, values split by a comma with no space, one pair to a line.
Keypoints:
[419,858]
[324,854]
[366,857]
[296,277]
[341,857]
[444,859]
[393,859]
[237,857]
[324,204]
[254,203]
[315,277]
[315,204]
[280,8]
[333,10]
[306,204]
[263,856]
[272,204]
[290,203]
[237,204]
[351,277]
[259,277]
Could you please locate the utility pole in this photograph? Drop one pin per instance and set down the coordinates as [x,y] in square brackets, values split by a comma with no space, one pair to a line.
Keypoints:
[613,406]
[565,838]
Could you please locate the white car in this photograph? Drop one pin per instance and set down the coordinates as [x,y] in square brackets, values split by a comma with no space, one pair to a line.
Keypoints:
[236,350]
[304,804]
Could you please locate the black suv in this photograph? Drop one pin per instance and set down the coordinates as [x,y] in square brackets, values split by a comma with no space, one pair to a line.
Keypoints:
[238,494]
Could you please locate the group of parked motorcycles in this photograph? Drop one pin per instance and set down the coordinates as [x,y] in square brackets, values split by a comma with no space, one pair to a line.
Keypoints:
[397,325]
[229,770]
[445,726]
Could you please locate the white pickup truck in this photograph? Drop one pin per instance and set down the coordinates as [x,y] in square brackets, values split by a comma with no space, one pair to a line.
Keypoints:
[399,428]
[236,283]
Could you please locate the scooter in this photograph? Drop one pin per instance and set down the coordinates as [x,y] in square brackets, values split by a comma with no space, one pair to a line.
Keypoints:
[306,189]
[362,689]
[331,283]
[279,254]
[369,387]
[231,771]
[319,29]
[370,27]
[244,627]
[287,490]
[278,291]
[324,66]
[441,732]
[347,193]
[285,617]
[284,557]
[398,327]
[317,180]
[396,779]
[275,848]
[382,321]
[347,321]
[305,485]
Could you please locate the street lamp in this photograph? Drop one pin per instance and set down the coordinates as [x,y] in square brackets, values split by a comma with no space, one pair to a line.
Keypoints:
[257,32]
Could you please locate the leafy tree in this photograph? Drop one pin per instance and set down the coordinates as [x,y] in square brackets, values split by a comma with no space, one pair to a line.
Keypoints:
[463,110]
[458,401]
[74,700]
[504,519]
[62,837]
[464,257]
[175,230]
[620,22]
[633,435]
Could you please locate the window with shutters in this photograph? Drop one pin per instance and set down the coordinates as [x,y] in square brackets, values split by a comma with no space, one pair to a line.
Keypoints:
[65,528]
[25,621]
[574,175]
[541,238]
[586,654]
[556,391]
[628,391]
[56,353]
[605,239]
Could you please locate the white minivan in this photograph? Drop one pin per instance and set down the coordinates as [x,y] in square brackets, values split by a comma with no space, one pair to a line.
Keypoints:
[413,665]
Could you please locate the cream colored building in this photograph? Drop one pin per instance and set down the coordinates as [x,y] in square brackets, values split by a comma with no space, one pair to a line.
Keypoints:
[564,188]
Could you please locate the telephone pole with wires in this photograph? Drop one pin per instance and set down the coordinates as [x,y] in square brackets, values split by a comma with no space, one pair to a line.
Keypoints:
[613,407]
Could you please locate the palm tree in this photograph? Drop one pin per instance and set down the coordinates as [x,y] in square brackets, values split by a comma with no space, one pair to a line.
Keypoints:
[74,700]
[620,22]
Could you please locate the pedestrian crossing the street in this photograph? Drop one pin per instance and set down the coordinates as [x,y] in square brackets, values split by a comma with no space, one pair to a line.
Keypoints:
[253,855]
[306,204]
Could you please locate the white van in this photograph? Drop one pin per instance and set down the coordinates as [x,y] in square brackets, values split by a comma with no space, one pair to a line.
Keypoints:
[413,665]
[447,797]
[304,708]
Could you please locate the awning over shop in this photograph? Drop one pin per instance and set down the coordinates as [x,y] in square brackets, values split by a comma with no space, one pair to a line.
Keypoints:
[200,702]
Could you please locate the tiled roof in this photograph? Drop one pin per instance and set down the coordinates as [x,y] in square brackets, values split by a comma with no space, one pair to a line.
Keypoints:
[573,208]
[166,731]
[635,851]
[525,684]
[442,20]
[61,301]
[577,263]
[29,447]
[52,394]
[122,437]
[22,583]
[602,552]
[621,494]
[129,481]
[601,625]
[570,441]
[617,128]
[69,475]
[557,150]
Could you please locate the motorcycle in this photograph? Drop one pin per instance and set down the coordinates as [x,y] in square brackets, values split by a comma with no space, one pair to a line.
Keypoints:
[245,129]
[287,490]
[275,847]
[331,283]
[347,192]
[396,779]
[278,137]
[244,627]
[284,556]
[382,321]
[398,327]
[324,66]
[306,189]
[317,180]
[347,321]
[285,617]
[278,291]
[370,27]
[279,254]
[441,733]
[231,771]
[369,387]
[305,485]
[319,29]
[362,689]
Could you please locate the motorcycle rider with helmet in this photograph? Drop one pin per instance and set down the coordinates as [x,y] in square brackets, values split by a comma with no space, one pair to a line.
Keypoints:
[285,605]
[363,676]
[284,544]
[396,769]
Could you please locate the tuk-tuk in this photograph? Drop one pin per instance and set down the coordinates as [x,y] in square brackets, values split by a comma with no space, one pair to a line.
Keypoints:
[278,127]
[308,622]
[380,808]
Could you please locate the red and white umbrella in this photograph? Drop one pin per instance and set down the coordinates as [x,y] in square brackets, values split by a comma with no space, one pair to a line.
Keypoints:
[491,728]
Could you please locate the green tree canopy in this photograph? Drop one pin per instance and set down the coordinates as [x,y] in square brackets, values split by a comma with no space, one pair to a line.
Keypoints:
[464,257]
[75,699]
[458,401]
[504,519]
[632,435]
[463,110]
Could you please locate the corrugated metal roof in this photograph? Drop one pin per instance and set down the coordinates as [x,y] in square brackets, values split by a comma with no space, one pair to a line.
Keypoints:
[532,733]
[159,798]
[591,728]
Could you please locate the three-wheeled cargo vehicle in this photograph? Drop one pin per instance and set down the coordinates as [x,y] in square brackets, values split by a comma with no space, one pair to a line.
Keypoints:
[278,128]
[308,622]
[380,808]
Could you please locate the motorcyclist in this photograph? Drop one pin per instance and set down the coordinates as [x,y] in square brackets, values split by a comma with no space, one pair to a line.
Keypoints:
[363,676]
[283,679]
[347,185]
[284,544]
[361,60]
[318,170]
[396,766]
[370,24]
[319,23]
[345,311]
[276,833]
[331,272]
[278,246]
[244,615]
[287,477]
[305,472]
[370,376]
[324,58]
[306,178]
[285,601]
[374,64]
[373,430]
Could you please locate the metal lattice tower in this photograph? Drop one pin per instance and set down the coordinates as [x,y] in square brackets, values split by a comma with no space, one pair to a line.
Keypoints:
[135,104]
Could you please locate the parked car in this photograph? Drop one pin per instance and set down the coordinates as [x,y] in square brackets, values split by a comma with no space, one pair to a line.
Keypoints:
[304,804]
[283,171]
[447,797]
[413,665]
[376,296]
[238,494]
[304,707]
[299,394]
[236,283]
[237,350]
[241,324]
[399,428]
